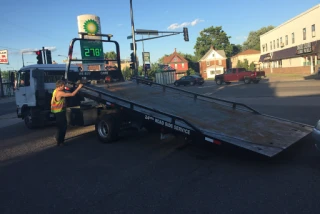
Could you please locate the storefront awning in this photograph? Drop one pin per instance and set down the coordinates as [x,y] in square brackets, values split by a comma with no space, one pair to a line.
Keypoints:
[285,54]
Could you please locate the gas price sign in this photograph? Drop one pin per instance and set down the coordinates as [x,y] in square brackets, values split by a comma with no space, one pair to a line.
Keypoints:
[91,50]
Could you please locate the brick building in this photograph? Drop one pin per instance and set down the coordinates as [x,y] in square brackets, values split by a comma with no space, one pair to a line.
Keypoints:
[178,62]
[212,63]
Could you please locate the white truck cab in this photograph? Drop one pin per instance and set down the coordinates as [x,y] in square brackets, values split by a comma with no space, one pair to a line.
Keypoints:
[34,85]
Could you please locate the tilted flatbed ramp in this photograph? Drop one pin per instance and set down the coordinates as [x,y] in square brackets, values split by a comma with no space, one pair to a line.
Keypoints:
[216,120]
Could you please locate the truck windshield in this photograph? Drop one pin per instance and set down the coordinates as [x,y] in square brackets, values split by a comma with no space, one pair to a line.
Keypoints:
[53,76]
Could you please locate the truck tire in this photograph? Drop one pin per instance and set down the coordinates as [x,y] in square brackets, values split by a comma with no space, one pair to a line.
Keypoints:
[247,80]
[106,128]
[219,81]
[28,119]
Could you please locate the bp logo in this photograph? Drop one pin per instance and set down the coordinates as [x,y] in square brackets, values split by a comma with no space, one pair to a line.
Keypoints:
[91,26]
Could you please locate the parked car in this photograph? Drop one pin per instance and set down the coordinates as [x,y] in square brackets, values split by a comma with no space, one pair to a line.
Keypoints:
[239,74]
[189,80]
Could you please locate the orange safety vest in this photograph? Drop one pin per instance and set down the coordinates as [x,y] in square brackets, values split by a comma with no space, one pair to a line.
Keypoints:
[57,106]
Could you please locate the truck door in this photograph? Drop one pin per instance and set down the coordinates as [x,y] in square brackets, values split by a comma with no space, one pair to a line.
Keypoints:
[22,86]
[230,75]
[241,73]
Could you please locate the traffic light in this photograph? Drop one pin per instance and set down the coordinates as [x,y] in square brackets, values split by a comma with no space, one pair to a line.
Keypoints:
[185,34]
[132,57]
[132,66]
[39,57]
[49,58]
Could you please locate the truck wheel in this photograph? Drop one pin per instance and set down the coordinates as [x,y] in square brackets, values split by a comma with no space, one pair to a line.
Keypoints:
[28,119]
[255,81]
[106,128]
[218,81]
[247,80]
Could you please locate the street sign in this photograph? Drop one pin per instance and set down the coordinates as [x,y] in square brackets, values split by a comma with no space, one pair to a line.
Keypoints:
[129,37]
[146,32]
[147,66]
[146,56]
[4,57]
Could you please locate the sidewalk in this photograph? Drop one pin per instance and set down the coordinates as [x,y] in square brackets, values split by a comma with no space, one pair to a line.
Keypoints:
[290,77]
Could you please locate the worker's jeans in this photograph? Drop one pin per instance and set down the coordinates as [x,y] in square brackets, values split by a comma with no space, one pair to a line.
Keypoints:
[61,120]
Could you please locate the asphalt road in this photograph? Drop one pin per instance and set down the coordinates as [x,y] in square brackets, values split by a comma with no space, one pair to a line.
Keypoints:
[141,174]
[7,107]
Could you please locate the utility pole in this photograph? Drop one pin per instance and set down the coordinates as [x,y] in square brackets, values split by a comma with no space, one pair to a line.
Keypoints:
[133,41]
[143,62]
[22,60]
[1,85]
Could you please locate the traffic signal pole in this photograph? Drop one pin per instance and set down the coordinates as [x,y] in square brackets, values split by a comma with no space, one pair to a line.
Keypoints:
[44,56]
[133,41]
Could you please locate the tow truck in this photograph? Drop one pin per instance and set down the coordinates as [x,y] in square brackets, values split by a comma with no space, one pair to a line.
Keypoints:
[119,104]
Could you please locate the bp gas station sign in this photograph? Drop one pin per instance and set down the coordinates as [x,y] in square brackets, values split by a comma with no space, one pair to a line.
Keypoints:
[90,49]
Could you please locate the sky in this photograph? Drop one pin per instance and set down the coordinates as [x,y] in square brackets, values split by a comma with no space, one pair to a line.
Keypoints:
[31,25]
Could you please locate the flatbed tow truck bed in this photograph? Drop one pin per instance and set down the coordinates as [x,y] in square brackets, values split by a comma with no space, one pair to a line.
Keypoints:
[215,119]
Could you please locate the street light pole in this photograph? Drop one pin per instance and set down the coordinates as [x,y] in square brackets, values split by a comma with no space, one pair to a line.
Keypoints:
[133,40]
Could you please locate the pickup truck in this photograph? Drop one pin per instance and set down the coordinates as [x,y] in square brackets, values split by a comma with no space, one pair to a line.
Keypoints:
[239,74]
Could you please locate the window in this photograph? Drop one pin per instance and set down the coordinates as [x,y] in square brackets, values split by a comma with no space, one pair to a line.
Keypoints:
[277,43]
[53,76]
[304,33]
[313,30]
[286,39]
[266,47]
[292,35]
[274,44]
[176,66]
[220,62]
[263,48]
[182,65]
[270,45]
[280,40]
[24,78]
[208,63]
[229,71]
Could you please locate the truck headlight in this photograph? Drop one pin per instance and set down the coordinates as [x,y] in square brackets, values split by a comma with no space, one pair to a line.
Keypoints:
[318,125]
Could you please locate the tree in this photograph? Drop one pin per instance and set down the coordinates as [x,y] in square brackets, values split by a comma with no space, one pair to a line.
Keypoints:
[110,55]
[244,64]
[253,40]
[192,62]
[216,37]
[161,59]
[252,66]
[126,72]
[236,49]
[190,71]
